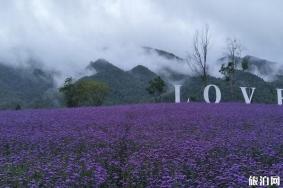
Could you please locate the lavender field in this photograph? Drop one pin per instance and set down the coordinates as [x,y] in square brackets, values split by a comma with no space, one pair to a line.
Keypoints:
[165,145]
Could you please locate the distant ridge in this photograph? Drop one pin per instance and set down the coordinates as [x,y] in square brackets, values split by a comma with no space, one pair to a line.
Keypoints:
[162,53]
[102,65]
[142,73]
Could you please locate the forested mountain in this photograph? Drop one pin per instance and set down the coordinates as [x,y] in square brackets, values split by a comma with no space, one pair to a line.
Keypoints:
[25,87]
[125,86]
[32,87]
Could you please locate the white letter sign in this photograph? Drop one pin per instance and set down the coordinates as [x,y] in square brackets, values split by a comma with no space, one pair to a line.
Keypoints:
[217,93]
[177,93]
[279,96]
[248,99]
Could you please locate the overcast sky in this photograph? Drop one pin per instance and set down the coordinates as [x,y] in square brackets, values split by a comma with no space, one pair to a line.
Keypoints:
[67,34]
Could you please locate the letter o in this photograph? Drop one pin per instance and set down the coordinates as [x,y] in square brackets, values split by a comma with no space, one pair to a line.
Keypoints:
[217,92]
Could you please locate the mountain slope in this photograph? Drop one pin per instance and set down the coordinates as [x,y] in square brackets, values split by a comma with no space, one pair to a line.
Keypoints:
[126,86]
[27,87]
[142,73]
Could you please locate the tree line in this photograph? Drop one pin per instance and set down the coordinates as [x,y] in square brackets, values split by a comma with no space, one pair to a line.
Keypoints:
[93,93]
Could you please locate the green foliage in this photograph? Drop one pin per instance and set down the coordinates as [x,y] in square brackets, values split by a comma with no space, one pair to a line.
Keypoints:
[90,92]
[156,87]
[68,91]
[227,70]
[83,93]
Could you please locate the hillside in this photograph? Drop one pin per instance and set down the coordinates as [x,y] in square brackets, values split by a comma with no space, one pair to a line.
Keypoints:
[126,86]
[27,87]
[142,73]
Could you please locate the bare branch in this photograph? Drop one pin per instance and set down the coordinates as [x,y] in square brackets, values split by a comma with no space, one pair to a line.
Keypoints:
[234,50]
[198,58]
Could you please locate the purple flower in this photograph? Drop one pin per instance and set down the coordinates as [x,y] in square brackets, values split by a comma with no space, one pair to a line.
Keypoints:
[165,145]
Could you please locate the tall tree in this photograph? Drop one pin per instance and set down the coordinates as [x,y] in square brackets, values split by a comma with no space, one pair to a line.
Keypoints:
[233,53]
[197,60]
[83,93]
[90,92]
[68,91]
[156,88]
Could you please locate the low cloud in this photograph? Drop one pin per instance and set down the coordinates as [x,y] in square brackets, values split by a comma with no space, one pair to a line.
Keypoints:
[66,35]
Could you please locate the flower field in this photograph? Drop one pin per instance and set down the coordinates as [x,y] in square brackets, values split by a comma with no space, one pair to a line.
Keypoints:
[160,145]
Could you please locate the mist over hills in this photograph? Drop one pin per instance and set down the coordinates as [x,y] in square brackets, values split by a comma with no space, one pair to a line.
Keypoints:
[26,86]
[163,53]
[33,87]
[268,70]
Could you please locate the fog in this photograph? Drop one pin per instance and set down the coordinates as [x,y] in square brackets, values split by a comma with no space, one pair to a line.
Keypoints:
[66,35]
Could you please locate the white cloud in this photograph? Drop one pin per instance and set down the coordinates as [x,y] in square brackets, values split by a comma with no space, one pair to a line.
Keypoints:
[67,34]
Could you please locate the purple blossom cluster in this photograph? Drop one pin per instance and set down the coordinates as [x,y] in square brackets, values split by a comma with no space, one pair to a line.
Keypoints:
[164,145]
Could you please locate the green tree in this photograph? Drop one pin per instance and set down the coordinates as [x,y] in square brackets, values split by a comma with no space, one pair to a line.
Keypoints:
[227,71]
[156,88]
[234,50]
[68,91]
[83,93]
[90,93]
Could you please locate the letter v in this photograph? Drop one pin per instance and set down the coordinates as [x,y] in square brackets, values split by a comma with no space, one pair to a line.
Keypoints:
[248,99]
